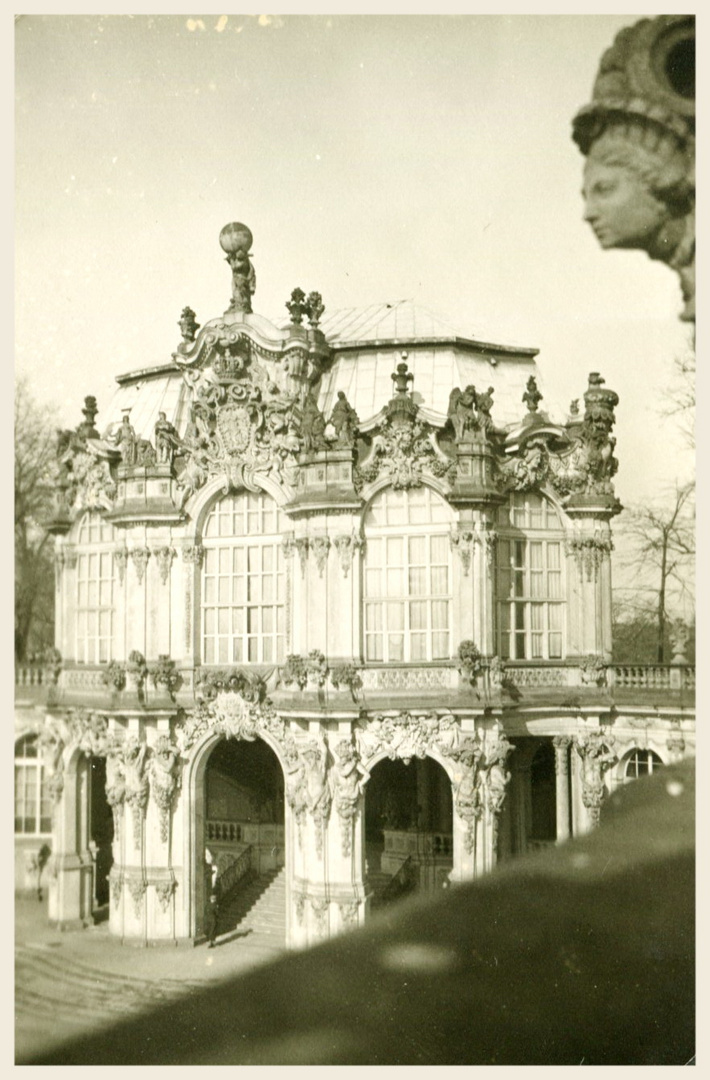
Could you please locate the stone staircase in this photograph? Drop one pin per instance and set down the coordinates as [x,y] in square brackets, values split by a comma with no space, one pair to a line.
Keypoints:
[258,907]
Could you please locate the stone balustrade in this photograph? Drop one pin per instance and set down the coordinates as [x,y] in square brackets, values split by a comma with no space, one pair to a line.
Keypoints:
[89,678]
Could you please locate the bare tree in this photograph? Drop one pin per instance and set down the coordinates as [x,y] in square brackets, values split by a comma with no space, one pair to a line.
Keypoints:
[659,544]
[680,400]
[35,448]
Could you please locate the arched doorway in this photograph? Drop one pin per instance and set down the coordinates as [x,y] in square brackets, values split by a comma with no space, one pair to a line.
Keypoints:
[408,828]
[243,830]
[543,798]
[100,837]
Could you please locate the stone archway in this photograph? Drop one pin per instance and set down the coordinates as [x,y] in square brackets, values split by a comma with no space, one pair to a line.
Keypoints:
[224,832]
[408,828]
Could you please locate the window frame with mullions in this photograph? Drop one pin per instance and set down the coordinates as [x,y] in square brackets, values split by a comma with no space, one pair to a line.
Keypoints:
[238,617]
[388,615]
[95,570]
[530,556]
[28,761]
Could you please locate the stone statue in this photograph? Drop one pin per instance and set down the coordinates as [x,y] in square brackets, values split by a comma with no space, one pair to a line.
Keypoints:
[125,440]
[166,440]
[312,426]
[532,396]
[344,420]
[461,411]
[349,778]
[164,780]
[236,240]
[638,135]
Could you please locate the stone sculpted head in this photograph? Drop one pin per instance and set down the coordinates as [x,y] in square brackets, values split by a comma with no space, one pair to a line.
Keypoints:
[637,190]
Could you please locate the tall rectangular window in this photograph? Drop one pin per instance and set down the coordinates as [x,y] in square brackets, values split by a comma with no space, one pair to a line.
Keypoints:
[243,582]
[529,580]
[95,584]
[407,578]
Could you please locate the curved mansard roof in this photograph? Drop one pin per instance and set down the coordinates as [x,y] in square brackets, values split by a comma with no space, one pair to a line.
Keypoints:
[366,343]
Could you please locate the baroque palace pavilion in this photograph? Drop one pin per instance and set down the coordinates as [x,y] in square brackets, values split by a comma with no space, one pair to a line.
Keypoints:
[334,604]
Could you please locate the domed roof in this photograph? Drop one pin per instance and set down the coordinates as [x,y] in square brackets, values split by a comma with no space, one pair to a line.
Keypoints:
[367,344]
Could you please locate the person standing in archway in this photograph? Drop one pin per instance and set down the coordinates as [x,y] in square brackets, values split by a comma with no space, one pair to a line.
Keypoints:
[212,913]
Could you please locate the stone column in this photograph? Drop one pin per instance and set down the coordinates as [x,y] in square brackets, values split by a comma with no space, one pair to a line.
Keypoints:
[562,744]
[71,868]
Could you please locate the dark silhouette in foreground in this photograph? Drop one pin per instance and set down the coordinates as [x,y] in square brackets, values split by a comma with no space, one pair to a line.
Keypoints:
[579,955]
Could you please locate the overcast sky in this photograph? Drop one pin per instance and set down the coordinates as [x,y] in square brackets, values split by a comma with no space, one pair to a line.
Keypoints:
[375,158]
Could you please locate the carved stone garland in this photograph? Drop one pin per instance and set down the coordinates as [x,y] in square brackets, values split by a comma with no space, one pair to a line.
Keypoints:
[164,557]
[464,540]
[346,546]
[140,558]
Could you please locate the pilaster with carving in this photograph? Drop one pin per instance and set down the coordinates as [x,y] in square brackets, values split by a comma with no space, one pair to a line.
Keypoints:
[164,775]
[140,556]
[596,756]
[137,785]
[164,556]
[349,778]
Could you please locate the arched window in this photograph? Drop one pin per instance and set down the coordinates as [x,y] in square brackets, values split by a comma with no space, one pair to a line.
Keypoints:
[243,582]
[95,584]
[641,763]
[530,579]
[407,581]
[33,809]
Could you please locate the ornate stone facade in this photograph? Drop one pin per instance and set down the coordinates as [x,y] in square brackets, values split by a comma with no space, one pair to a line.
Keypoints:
[393,674]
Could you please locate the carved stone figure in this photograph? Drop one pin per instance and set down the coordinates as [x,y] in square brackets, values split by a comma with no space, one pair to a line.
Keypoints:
[318,797]
[468,798]
[188,328]
[163,768]
[312,426]
[125,440]
[532,396]
[236,240]
[344,420]
[461,411]
[594,749]
[134,760]
[115,779]
[497,777]
[638,135]
[166,440]
[349,778]
[296,788]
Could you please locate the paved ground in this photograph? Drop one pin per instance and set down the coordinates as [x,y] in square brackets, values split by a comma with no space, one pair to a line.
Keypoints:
[70,983]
